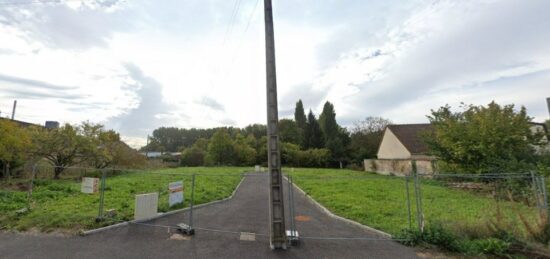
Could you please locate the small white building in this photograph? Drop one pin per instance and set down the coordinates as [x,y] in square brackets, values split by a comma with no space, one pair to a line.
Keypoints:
[402,143]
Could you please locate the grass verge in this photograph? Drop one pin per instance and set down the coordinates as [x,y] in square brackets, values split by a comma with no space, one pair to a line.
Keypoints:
[59,204]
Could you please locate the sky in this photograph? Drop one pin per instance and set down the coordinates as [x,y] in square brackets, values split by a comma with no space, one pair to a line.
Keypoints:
[136,65]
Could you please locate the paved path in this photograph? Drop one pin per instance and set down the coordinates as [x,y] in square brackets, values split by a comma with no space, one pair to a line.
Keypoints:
[246,212]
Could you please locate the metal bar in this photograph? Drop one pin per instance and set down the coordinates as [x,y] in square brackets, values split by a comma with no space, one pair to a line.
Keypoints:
[545,196]
[536,190]
[31,185]
[278,237]
[418,197]
[293,213]
[408,201]
[192,201]
[102,195]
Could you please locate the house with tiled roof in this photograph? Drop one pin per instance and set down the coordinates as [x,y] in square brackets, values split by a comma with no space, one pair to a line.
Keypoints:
[403,143]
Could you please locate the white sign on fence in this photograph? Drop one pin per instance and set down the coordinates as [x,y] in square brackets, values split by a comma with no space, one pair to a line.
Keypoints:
[89,185]
[175,193]
[146,206]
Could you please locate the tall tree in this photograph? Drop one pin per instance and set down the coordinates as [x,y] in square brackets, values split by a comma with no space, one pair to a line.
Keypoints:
[301,121]
[61,147]
[313,134]
[332,134]
[220,149]
[484,139]
[289,132]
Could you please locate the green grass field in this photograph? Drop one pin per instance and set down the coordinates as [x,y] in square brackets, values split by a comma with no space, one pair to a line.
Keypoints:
[59,204]
[380,201]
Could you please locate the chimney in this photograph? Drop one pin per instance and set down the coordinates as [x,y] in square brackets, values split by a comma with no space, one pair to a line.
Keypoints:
[13,111]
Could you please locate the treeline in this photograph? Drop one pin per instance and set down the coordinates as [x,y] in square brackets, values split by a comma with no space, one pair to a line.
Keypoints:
[87,144]
[306,141]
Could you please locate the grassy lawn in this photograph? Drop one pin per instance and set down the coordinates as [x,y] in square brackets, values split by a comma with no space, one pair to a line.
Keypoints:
[59,204]
[380,201]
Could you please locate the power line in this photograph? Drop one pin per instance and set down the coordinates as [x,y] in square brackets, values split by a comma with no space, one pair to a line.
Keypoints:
[234,13]
[38,2]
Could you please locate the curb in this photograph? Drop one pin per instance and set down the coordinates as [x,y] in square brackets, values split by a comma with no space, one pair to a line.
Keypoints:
[332,215]
[160,215]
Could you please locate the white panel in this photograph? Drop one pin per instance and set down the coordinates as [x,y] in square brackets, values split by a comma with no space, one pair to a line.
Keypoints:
[146,206]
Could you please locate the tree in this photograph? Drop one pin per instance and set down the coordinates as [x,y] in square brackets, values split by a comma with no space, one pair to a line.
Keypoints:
[483,139]
[61,147]
[245,154]
[313,135]
[332,134]
[14,145]
[289,132]
[366,136]
[220,149]
[301,121]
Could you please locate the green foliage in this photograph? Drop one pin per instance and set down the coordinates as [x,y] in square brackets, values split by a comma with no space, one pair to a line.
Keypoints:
[220,149]
[14,145]
[196,154]
[366,136]
[61,147]
[289,132]
[313,136]
[59,204]
[244,154]
[301,122]
[483,139]
[437,235]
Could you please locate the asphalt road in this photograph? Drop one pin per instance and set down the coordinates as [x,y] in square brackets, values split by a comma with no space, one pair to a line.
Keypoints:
[218,235]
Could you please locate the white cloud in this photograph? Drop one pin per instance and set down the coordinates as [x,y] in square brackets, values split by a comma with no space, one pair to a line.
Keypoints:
[138,65]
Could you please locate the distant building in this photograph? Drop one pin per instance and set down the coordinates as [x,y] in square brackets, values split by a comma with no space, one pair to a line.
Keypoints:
[52,125]
[404,141]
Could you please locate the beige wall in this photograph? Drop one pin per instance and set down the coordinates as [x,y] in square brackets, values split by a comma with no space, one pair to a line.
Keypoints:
[399,167]
[391,147]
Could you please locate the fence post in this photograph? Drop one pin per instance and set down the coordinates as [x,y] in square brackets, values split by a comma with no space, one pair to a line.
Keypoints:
[408,200]
[192,201]
[537,190]
[31,185]
[419,215]
[101,195]
[293,212]
[545,197]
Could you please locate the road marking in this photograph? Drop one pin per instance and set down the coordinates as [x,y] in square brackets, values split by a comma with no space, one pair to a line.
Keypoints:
[246,236]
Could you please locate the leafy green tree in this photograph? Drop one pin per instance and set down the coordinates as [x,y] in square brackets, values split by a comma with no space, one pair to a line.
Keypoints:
[301,121]
[366,136]
[245,154]
[333,134]
[290,154]
[61,147]
[313,134]
[483,139]
[289,132]
[14,145]
[220,149]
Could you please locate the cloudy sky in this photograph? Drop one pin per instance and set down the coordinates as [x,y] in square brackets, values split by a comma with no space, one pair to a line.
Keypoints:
[136,65]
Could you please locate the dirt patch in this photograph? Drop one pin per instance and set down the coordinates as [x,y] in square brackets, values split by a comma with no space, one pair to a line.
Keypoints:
[302,218]
[15,186]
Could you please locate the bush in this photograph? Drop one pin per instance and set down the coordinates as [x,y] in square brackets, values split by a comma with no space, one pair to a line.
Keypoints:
[441,237]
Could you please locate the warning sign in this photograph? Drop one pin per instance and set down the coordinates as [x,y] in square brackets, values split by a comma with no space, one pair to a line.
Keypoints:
[89,185]
[175,193]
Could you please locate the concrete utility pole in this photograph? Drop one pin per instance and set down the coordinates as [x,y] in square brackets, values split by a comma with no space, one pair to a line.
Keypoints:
[278,237]
[13,110]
